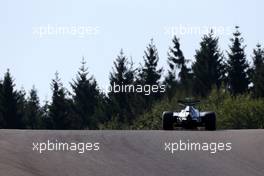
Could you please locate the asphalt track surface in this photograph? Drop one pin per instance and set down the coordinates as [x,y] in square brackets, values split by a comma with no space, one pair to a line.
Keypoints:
[135,153]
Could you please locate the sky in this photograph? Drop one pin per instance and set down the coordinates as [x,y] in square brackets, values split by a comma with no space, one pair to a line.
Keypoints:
[38,38]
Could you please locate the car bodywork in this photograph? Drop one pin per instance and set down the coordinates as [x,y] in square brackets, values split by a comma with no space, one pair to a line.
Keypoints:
[189,117]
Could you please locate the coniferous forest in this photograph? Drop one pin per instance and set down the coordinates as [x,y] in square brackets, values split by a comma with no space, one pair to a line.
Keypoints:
[225,81]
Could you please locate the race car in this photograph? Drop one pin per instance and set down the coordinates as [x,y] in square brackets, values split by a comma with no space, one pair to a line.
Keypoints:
[189,117]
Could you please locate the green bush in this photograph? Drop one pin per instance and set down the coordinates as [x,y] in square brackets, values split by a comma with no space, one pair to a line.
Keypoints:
[240,112]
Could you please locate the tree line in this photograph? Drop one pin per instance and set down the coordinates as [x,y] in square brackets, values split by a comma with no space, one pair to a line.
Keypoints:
[85,106]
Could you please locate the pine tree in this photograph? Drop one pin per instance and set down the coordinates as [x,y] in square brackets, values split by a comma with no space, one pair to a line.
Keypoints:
[258,72]
[103,110]
[9,103]
[1,108]
[149,74]
[85,98]
[122,74]
[33,110]
[46,120]
[59,108]
[21,108]
[208,66]
[237,66]
[176,60]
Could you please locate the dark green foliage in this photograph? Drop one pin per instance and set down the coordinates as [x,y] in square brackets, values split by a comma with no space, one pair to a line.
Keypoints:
[46,120]
[238,79]
[59,109]
[258,73]
[240,112]
[33,110]
[103,110]
[122,74]
[208,68]
[10,103]
[152,118]
[149,74]
[177,69]
[86,97]
[21,108]
[224,87]
[2,125]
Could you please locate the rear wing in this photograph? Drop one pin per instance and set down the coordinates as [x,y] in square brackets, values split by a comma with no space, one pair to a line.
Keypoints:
[188,102]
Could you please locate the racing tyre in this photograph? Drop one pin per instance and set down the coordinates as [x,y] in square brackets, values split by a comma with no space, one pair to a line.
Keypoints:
[167,121]
[210,122]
